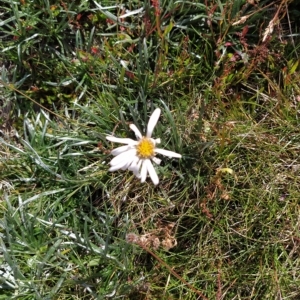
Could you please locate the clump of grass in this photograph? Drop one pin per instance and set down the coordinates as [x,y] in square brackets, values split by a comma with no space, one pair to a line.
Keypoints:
[222,224]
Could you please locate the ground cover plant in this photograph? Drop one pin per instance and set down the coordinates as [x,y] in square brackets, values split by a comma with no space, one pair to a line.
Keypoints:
[223,222]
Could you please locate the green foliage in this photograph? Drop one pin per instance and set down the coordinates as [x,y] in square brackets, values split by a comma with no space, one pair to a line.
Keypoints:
[222,223]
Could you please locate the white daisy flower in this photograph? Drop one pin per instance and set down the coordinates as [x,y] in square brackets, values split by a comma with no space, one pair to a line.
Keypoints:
[136,156]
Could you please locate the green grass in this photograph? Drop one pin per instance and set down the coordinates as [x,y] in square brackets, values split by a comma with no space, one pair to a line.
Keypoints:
[223,223]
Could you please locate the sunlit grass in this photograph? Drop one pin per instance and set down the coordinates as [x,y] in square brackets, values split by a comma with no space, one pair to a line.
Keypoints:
[223,223]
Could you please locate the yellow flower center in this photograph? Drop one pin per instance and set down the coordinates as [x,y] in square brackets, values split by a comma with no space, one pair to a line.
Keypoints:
[145,148]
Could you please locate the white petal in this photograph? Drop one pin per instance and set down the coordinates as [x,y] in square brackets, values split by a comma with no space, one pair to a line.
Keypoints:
[128,164]
[135,167]
[156,160]
[119,150]
[152,122]
[119,166]
[152,172]
[134,164]
[127,156]
[144,170]
[121,140]
[136,131]
[167,153]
